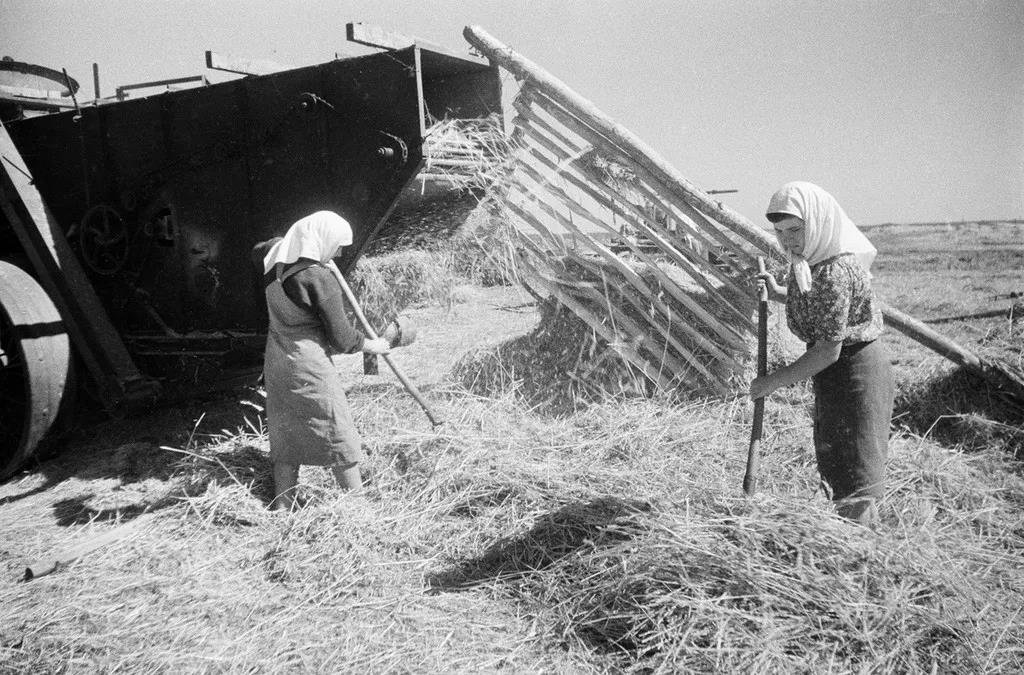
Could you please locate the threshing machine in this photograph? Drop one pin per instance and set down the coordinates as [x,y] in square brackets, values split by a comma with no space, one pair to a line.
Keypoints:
[126,225]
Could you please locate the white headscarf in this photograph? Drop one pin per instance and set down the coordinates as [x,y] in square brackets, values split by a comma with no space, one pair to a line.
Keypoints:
[317,237]
[828,230]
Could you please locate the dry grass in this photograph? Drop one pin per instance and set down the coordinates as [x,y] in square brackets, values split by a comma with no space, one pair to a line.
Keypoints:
[611,540]
[610,537]
[431,271]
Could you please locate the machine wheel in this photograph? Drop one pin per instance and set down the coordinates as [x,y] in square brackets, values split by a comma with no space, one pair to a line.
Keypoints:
[35,366]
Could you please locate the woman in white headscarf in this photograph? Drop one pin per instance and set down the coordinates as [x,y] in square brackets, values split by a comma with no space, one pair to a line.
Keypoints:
[308,416]
[830,305]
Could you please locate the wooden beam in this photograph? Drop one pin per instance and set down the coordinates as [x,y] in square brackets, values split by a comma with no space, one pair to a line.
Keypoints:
[381,38]
[243,66]
[190,79]
[375,36]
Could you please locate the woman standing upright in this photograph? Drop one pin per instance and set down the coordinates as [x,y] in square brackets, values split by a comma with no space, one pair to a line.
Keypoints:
[830,305]
[307,413]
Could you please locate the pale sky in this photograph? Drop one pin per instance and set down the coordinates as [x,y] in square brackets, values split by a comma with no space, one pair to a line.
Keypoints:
[906,110]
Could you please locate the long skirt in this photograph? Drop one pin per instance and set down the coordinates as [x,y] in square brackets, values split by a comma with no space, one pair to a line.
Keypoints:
[853,401]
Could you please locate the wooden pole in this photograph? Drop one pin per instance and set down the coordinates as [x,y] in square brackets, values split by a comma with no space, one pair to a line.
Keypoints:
[997,373]
[756,429]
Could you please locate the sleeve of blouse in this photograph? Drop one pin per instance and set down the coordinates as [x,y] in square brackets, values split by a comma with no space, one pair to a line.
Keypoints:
[833,296]
[328,302]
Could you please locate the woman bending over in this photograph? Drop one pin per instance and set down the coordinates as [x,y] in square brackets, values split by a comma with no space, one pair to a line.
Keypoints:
[307,413]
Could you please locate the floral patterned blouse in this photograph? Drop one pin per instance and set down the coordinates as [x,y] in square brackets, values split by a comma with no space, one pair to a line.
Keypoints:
[840,307]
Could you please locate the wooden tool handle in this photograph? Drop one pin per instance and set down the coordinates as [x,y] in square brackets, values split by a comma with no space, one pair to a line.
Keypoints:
[409,386]
[754,452]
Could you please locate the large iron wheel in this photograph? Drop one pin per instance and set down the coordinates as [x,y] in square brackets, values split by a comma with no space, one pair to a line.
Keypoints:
[35,366]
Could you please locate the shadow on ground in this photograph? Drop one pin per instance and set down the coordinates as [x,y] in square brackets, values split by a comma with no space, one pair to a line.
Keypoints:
[118,469]
[585,526]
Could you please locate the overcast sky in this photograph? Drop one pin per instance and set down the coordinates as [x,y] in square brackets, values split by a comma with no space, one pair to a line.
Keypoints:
[906,110]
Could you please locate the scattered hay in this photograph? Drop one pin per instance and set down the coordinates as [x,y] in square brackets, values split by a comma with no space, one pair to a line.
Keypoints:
[484,253]
[469,155]
[610,540]
[786,589]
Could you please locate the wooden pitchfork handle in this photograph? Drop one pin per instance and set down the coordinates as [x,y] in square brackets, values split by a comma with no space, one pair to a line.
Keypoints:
[409,386]
[753,453]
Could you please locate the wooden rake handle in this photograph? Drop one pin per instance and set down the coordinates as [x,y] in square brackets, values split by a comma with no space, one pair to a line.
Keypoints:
[409,386]
[754,452]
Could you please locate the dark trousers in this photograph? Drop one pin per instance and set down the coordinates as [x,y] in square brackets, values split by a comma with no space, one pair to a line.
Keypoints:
[852,409]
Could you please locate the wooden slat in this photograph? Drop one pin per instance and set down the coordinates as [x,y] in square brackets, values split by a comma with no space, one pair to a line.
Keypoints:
[628,353]
[555,243]
[693,359]
[658,352]
[559,170]
[726,332]
[685,353]
[649,181]
[522,105]
[715,382]
[676,183]
[669,284]
[683,255]
[689,224]
[641,286]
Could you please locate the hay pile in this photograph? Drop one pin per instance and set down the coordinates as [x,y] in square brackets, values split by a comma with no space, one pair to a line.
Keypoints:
[958,407]
[390,283]
[564,363]
[784,589]
[561,366]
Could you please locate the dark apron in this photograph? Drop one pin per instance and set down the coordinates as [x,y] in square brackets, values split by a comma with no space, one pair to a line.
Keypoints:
[852,409]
